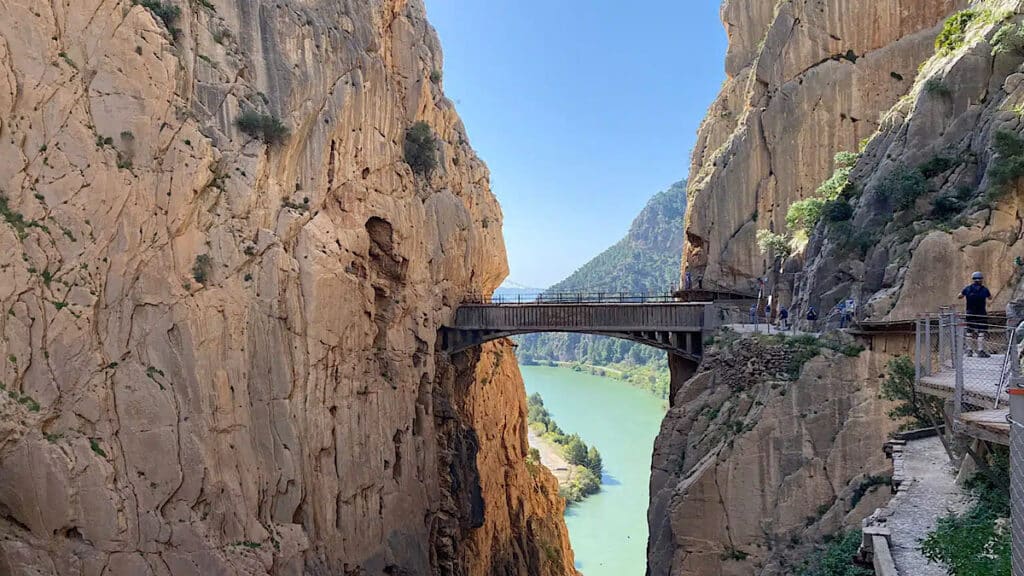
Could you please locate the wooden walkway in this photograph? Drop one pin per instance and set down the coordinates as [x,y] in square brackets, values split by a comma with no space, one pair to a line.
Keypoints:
[981,385]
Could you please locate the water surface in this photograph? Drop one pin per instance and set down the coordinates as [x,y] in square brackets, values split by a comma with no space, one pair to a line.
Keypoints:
[608,530]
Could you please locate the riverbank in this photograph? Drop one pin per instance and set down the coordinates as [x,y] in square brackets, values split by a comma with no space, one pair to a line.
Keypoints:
[609,529]
[551,457]
[645,377]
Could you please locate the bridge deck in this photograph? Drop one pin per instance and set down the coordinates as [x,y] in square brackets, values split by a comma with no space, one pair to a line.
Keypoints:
[981,386]
[673,326]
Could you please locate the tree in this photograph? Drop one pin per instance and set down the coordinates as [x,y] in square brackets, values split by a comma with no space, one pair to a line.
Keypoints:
[576,451]
[421,149]
[594,462]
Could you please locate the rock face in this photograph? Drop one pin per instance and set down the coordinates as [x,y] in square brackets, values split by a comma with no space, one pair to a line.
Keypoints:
[219,354]
[806,79]
[959,217]
[750,467]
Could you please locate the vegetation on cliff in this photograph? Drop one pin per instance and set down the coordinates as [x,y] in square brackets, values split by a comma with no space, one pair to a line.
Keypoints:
[646,260]
[977,542]
[585,475]
[836,559]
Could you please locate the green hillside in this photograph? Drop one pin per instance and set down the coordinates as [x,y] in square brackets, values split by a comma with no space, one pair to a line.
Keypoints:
[646,260]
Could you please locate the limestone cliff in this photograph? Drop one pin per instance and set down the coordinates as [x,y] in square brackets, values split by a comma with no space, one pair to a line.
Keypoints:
[806,79]
[934,194]
[753,465]
[219,345]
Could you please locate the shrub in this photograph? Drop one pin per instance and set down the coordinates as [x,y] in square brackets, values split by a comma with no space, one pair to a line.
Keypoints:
[264,126]
[954,32]
[435,76]
[837,211]
[202,267]
[837,558]
[947,205]
[771,243]
[936,87]
[1009,40]
[936,166]
[167,13]
[903,186]
[836,185]
[846,159]
[421,149]
[804,214]
[584,483]
[976,543]
[1008,165]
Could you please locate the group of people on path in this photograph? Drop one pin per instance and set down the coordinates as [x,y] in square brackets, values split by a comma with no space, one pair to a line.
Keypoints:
[976,295]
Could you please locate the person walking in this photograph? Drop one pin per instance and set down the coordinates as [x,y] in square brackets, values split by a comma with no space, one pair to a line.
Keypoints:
[977,295]
[812,314]
[689,280]
[753,313]
[784,318]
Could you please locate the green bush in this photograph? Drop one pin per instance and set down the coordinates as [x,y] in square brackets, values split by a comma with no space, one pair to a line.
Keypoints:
[846,159]
[595,462]
[976,543]
[936,87]
[583,483]
[837,558]
[421,149]
[202,267]
[837,184]
[903,186]
[264,126]
[954,32]
[837,211]
[804,214]
[1009,40]
[1008,165]
[165,12]
[936,166]
[771,243]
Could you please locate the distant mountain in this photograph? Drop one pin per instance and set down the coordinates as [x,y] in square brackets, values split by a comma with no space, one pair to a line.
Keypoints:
[510,289]
[646,260]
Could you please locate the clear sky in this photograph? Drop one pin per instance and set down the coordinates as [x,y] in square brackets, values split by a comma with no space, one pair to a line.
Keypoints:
[583,109]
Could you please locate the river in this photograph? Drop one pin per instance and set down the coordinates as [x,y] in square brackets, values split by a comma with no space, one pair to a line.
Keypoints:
[608,530]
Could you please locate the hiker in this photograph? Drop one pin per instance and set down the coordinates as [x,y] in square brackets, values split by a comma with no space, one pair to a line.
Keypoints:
[753,313]
[843,314]
[976,294]
[689,280]
[812,314]
[784,318]
[700,282]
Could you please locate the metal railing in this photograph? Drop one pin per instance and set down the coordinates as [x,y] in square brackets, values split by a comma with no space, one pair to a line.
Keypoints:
[574,298]
[947,359]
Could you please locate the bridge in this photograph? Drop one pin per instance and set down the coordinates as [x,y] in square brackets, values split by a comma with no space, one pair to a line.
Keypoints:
[666,322]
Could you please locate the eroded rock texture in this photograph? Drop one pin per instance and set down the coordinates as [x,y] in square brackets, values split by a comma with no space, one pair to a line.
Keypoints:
[219,355]
[917,256]
[806,79]
[751,468]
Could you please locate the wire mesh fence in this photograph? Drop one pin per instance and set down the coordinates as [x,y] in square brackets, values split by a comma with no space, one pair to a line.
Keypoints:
[1016,420]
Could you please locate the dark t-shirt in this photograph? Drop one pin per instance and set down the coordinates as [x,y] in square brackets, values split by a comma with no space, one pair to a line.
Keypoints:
[976,296]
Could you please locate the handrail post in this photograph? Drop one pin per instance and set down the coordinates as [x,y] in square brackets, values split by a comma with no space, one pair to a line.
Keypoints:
[918,352]
[943,340]
[958,366]
[927,363]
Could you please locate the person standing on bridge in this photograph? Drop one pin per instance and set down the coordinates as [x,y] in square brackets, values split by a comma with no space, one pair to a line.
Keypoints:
[977,296]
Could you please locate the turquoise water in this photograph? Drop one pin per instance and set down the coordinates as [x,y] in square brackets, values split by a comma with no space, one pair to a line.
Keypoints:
[608,530]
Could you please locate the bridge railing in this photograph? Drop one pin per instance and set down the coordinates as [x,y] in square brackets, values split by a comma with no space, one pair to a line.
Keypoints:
[573,298]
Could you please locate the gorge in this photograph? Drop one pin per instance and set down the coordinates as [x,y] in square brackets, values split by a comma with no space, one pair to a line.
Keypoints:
[235,230]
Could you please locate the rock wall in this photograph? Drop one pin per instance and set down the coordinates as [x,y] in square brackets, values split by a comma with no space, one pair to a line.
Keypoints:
[918,257]
[751,467]
[806,79]
[219,354]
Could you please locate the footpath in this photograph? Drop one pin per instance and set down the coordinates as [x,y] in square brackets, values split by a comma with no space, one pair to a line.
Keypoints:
[927,493]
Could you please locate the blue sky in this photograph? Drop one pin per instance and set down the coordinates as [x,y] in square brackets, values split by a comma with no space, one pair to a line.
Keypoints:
[582,109]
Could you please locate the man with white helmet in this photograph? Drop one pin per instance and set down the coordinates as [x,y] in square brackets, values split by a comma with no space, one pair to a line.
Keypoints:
[977,296]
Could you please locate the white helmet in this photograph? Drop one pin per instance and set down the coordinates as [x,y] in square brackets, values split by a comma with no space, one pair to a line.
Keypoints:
[977,276]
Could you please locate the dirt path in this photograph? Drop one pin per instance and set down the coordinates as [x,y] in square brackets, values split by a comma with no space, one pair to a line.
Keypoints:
[551,456]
